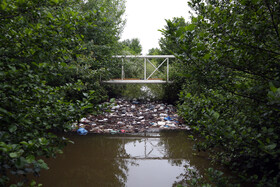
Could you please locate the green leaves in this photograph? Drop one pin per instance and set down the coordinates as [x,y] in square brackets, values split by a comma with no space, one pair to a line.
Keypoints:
[42,164]
[230,84]
[207,56]
[43,141]
[217,10]
[51,54]
[271,146]
[216,115]
[30,159]
[4,4]
[132,46]
[190,27]
[49,15]
[12,128]
[14,155]
[55,1]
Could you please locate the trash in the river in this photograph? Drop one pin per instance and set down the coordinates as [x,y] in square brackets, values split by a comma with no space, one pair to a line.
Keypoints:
[168,118]
[133,117]
[82,131]
[135,102]
[84,120]
[162,114]
[188,128]
[161,123]
[114,132]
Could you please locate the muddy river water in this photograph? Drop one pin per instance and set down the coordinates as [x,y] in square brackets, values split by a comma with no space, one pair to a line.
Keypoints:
[162,159]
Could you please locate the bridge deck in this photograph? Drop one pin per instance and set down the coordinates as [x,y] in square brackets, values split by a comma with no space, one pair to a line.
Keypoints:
[137,81]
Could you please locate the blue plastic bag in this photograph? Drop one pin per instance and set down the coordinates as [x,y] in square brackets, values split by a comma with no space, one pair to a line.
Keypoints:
[168,118]
[82,131]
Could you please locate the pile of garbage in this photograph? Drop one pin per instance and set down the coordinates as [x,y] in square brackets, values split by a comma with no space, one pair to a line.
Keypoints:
[133,117]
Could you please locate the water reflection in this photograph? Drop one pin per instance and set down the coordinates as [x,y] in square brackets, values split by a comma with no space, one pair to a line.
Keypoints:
[123,161]
[91,161]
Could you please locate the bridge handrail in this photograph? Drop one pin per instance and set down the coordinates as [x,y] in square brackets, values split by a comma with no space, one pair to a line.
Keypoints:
[146,59]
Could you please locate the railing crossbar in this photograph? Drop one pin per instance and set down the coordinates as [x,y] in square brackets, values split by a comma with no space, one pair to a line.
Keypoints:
[151,63]
[157,68]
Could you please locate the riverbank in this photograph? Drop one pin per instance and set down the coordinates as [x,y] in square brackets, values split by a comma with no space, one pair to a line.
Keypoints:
[134,117]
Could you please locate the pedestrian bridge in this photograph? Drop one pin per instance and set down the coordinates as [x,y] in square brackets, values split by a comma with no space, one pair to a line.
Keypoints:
[147,77]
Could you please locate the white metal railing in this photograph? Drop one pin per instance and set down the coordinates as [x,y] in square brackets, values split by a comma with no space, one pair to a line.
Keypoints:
[146,59]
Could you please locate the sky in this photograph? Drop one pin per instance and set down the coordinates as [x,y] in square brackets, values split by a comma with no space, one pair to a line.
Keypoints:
[145,17]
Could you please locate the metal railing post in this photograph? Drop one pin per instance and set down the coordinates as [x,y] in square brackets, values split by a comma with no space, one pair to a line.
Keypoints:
[167,70]
[122,69]
[145,68]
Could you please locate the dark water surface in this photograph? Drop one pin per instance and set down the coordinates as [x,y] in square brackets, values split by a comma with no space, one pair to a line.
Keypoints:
[98,160]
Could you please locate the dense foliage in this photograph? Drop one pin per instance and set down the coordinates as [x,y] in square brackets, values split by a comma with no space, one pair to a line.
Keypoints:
[230,69]
[50,58]
[131,47]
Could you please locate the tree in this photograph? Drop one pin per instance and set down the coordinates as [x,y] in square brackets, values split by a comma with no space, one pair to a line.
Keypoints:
[229,57]
[166,44]
[48,78]
[132,46]
[154,51]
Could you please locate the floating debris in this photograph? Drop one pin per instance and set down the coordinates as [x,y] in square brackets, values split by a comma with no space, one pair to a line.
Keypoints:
[82,131]
[133,117]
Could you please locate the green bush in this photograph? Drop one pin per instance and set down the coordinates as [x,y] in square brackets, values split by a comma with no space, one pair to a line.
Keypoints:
[229,59]
[49,75]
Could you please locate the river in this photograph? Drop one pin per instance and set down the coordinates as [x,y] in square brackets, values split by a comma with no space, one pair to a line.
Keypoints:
[157,159]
